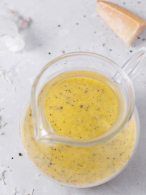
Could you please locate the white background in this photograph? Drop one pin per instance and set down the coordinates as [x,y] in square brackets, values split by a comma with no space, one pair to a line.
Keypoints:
[81,30]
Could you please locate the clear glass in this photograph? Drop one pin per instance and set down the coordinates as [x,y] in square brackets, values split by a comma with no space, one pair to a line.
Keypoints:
[44,137]
[81,61]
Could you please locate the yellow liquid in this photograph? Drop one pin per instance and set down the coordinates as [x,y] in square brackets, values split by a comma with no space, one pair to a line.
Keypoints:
[80,105]
[80,166]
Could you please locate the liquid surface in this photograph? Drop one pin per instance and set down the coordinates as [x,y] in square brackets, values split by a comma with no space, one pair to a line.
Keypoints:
[80,105]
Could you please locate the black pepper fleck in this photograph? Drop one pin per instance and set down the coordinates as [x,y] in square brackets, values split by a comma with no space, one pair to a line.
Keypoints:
[63,51]
[144,39]
[20,154]
[50,164]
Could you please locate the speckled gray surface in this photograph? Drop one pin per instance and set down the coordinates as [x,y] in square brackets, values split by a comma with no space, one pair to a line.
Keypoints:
[58,27]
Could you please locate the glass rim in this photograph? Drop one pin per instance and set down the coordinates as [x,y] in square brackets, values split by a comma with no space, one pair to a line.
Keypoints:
[112,131]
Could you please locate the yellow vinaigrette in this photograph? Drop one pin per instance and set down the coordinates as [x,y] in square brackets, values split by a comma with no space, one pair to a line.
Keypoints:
[82,106]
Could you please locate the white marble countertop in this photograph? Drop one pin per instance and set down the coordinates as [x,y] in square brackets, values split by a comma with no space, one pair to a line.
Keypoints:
[61,26]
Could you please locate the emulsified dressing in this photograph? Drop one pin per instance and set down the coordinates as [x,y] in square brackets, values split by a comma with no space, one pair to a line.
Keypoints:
[81,106]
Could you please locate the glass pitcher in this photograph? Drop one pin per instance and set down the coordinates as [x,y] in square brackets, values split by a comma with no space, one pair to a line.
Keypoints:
[83,163]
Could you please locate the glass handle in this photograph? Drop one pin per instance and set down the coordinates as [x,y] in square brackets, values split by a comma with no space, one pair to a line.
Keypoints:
[132,64]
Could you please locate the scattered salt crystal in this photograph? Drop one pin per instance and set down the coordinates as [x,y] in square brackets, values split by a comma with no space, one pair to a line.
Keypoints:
[14,44]
[11,28]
